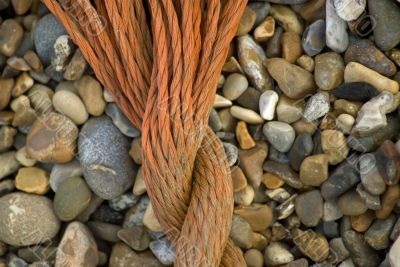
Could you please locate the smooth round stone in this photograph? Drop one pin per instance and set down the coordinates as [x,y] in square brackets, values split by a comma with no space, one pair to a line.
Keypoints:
[280,135]
[336,35]
[72,197]
[122,255]
[309,207]
[306,62]
[365,53]
[313,41]
[254,258]
[312,10]
[11,35]
[302,147]
[317,106]
[163,250]
[47,30]
[60,172]
[70,105]
[214,121]
[274,48]
[245,196]
[32,180]
[259,216]
[241,232]
[277,254]
[268,102]
[361,253]
[52,139]
[235,84]
[311,244]
[356,91]
[350,9]
[386,14]
[289,110]
[91,93]
[388,200]
[329,70]
[295,82]
[284,172]
[121,121]
[246,21]
[107,166]
[221,102]
[231,152]
[314,170]
[246,115]
[77,247]
[22,214]
[352,204]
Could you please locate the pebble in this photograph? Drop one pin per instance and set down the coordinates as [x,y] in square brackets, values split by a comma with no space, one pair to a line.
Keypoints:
[258,216]
[121,121]
[355,72]
[331,211]
[394,55]
[91,93]
[11,34]
[336,35]
[365,53]
[104,231]
[221,102]
[122,256]
[228,122]
[7,135]
[361,253]
[238,179]
[23,158]
[24,115]
[243,136]
[241,232]
[254,258]
[394,254]
[294,81]
[150,220]
[312,10]
[313,41]
[274,48]
[351,204]
[8,164]
[271,181]
[246,21]
[6,89]
[262,10]
[284,172]
[291,46]
[46,32]
[77,247]
[280,135]
[22,84]
[314,170]
[372,201]
[123,202]
[277,253]
[163,250]
[265,30]
[70,105]
[309,207]
[339,251]
[231,152]
[246,115]
[136,237]
[214,121]
[329,70]
[311,244]
[350,10]
[334,145]
[62,49]
[72,197]
[388,162]
[378,234]
[250,99]
[32,180]
[250,161]
[136,150]
[362,222]
[60,172]
[107,166]
[245,196]
[370,177]
[289,110]
[52,139]
[235,84]
[306,62]
[286,17]
[388,200]
[76,67]
[139,186]
[301,148]
[251,57]
[268,101]
[27,219]
[40,97]
[356,91]
[372,115]
[317,106]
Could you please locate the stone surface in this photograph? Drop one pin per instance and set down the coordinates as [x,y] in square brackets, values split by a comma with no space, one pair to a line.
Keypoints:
[388,200]
[243,136]
[314,38]
[301,148]
[238,179]
[262,10]
[265,30]
[258,216]
[331,211]
[60,172]
[314,170]
[336,35]
[121,121]
[388,162]
[291,46]
[277,253]
[370,177]
[122,256]
[280,135]
[246,21]
[334,145]
[309,207]
[77,247]
[306,62]
[356,91]
[11,34]
[317,106]
[251,162]
[76,68]
[70,105]
[254,258]
[372,201]
[284,172]
[274,48]
[52,139]
[27,219]
[107,167]
[351,204]
[250,99]
[289,110]
[313,245]
[235,84]
[286,17]
[246,115]
[163,250]
[91,93]
[268,101]
[378,234]
[394,254]
[329,70]
[350,9]
[231,152]
[32,180]
[361,253]
[241,232]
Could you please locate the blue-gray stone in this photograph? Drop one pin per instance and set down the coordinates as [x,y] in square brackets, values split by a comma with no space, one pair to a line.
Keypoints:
[314,38]
[121,121]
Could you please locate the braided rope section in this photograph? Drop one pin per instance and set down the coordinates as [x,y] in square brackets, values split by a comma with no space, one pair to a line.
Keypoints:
[161,60]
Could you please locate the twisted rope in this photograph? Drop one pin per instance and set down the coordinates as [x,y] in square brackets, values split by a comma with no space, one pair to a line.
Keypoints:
[161,60]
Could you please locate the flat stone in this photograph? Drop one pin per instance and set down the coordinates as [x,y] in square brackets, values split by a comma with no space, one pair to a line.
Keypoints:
[329,70]
[378,234]
[251,57]
[60,172]
[385,13]
[70,105]
[294,81]
[136,151]
[317,106]
[121,121]
[251,162]
[150,220]
[365,53]
[356,91]
[72,197]
[314,170]
[258,216]
[289,110]
[235,84]
[309,208]
[91,93]
[22,84]
[313,41]
[47,143]
[280,135]
[284,172]
[351,204]
[77,247]
[370,177]
[76,68]
[27,219]
[286,17]
[277,253]
[241,232]
[107,166]
[311,244]
[139,187]
[122,256]
[350,9]
[271,181]
[336,35]
[32,180]
[361,253]
[268,101]
[214,121]
[291,46]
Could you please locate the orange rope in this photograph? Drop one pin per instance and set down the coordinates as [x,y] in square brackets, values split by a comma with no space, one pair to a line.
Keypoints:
[161,59]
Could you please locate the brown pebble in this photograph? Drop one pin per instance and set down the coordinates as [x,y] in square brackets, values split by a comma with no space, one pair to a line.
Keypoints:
[76,67]
[362,222]
[21,6]
[313,10]
[243,136]
[314,170]
[265,30]
[239,181]
[257,215]
[272,181]
[306,62]
[6,117]
[7,134]
[394,55]
[246,22]
[313,245]
[388,201]
[6,86]
[136,150]
[32,180]
[291,46]
[18,63]
[11,33]
[23,83]
[33,60]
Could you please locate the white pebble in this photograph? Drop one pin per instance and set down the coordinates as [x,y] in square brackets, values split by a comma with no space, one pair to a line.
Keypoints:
[246,115]
[70,105]
[268,102]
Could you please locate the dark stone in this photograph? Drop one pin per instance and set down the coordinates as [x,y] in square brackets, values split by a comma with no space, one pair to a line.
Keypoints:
[274,48]
[317,149]
[309,207]
[358,91]
[373,202]
[250,99]
[287,2]
[361,253]
[302,147]
[378,233]
[329,229]
[365,53]
[388,162]
[104,231]
[278,156]
[262,10]
[107,215]
[313,41]
[284,172]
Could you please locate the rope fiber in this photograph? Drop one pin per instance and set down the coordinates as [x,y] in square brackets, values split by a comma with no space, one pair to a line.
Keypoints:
[161,60]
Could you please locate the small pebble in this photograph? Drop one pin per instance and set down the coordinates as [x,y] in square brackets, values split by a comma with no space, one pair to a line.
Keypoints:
[309,208]
[394,254]
[91,93]
[291,46]
[317,106]
[243,136]
[334,145]
[11,34]
[70,105]
[163,250]
[277,254]
[289,110]
[351,204]
[284,172]
[235,84]
[60,172]
[313,245]
[349,10]
[356,91]
[268,102]
[329,70]
[32,180]
[265,30]
[306,62]
[361,253]
[219,102]
[336,35]
[122,256]
[388,200]
[286,17]
[314,170]
[313,41]
[371,179]
[251,162]
[246,115]
[280,135]
[254,258]
[241,232]
[259,216]
[302,147]
[150,220]
[378,234]
[246,21]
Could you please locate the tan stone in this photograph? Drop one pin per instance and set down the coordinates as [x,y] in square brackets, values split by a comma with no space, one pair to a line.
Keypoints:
[246,22]
[139,187]
[238,179]
[314,170]
[306,62]
[287,18]
[243,136]
[150,220]
[388,201]
[291,46]
[6,86]
[136,150]
[346,106]
[244,197]
[271,181]
[334,145]
[303,126]
[259,216]
[265,30]
[22,84]
[362,222]
[91,92]
[32,180]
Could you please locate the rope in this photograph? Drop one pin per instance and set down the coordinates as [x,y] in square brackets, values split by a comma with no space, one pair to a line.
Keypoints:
[161,60]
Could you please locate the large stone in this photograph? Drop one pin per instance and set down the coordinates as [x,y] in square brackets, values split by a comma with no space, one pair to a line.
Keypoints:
[309,208]
[329,70]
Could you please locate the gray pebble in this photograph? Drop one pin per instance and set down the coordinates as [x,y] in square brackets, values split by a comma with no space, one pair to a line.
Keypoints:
[123,202]
[378,233]
[60,172]
[121,121]
[163,250]
[314,38]
[231,152]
